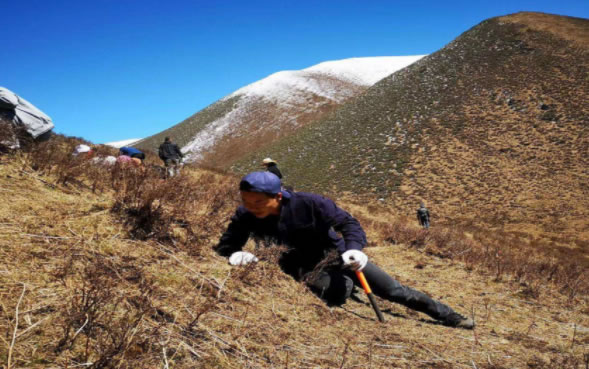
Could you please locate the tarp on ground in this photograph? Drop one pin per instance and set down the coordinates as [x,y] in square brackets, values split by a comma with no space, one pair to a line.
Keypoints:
[25,114]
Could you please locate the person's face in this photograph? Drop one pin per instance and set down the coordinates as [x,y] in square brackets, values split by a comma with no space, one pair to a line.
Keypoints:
[261,205]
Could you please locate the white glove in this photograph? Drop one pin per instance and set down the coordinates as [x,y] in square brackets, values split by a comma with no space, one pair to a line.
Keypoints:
[242,258]
[355,259]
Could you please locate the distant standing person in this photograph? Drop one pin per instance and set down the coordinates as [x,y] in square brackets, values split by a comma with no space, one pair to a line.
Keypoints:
[271,167]
[423,216]
[171,155]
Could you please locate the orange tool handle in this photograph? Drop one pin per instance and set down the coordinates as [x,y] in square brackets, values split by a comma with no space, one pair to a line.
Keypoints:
[368,291]
[363,282]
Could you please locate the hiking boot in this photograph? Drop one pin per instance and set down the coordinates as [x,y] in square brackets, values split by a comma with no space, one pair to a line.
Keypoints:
[458,321]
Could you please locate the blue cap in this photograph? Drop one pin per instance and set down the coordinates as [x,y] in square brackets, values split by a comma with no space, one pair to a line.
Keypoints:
[265,182]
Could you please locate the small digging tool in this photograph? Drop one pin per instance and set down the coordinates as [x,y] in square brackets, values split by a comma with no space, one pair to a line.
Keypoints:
[368,291]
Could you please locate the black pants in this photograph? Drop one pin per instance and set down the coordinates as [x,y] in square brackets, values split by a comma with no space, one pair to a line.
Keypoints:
[336,285]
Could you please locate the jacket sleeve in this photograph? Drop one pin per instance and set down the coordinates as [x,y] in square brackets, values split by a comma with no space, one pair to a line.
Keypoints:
[333,216]
[235,236]
[160,152]
[277,172]
[178,151]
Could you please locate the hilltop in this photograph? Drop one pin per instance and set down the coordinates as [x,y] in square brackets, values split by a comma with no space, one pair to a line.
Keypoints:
[491,131]
[260,113]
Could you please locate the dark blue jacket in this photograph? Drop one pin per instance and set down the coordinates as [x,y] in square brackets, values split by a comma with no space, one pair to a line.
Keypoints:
[307,225]
[273,168]
[169,150]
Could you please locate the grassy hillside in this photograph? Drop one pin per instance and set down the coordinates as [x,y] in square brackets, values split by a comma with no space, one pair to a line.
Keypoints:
[235,126]
[112,268]
[491,130]
[183,132]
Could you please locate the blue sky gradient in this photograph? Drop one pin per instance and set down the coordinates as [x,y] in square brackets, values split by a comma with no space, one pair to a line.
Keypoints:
[109,70]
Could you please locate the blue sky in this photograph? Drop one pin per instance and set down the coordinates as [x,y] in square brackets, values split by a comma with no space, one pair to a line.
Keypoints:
[109,70]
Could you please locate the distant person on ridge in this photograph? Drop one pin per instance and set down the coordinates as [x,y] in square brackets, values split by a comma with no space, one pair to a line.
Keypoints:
[307,224]
[271,167]
[171,155]
[423,216]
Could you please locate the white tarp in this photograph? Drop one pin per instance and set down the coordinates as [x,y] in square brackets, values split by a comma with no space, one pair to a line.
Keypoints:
[82,149]
[33,120]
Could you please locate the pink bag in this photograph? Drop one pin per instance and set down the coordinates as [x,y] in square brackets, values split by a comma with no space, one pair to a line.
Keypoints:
[124,159]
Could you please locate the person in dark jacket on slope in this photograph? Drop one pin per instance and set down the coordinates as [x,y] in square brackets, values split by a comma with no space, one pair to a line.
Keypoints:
[307,224]
[271,167]
[423,216]
[171,155]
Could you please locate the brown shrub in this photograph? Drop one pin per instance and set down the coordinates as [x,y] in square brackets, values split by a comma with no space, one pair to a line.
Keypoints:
[503,255]
[184,210]
[101,319]
[54,157]
[7,136]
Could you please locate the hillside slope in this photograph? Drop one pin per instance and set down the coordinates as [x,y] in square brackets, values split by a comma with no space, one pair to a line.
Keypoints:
[274,107]
[493,128]
[77,290]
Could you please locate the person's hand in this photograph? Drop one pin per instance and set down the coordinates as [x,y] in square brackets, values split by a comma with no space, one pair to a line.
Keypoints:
[242,258]
[355,259]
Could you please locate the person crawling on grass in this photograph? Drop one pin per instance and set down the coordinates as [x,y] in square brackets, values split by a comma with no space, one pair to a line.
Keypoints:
[307,224]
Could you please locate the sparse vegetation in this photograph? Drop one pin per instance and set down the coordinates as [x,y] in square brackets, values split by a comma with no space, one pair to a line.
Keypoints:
[116,270]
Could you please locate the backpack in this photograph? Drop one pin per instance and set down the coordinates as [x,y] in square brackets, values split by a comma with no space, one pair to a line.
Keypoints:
[422,213]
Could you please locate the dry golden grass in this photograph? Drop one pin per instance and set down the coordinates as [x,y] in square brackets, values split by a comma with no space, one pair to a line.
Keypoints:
[509,174]
[77,290]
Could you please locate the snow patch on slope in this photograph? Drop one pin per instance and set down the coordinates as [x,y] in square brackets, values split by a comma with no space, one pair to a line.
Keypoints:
[364,71]
[119,144]
[293,93]
[211,133]
[287,86]
[360,71]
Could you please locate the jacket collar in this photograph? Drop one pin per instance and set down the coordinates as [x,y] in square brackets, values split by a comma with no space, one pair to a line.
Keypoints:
[286,195]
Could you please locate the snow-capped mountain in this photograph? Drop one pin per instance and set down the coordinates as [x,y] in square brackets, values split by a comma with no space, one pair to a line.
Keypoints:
[258,114]
[283,86]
